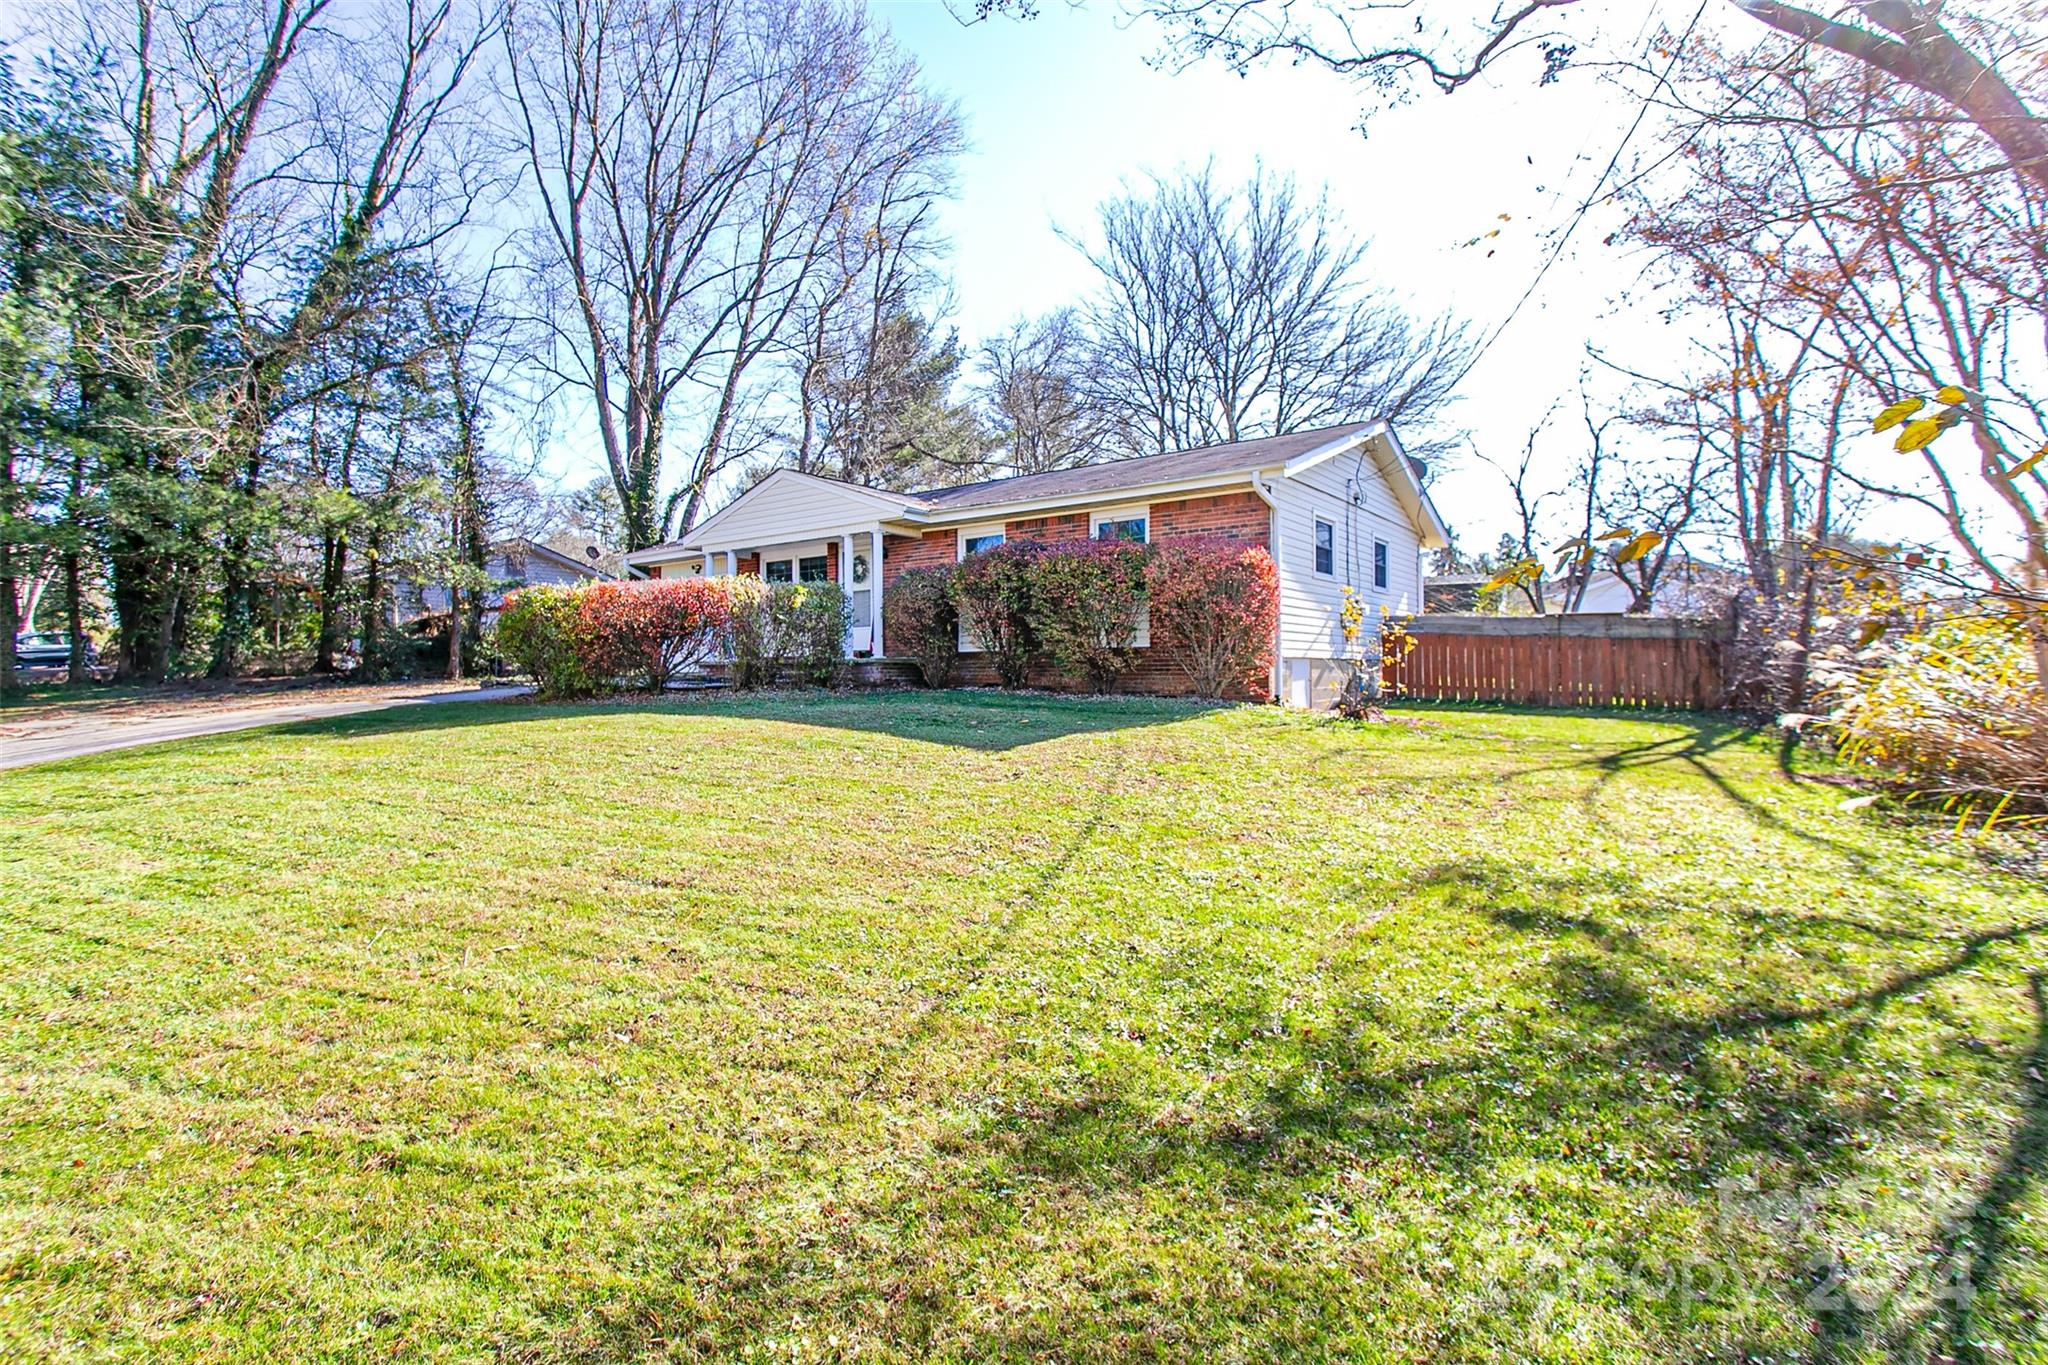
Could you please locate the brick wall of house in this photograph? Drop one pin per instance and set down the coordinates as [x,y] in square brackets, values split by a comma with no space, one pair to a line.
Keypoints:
[750,564]
[1240,516]
[1045,530]
[929,551]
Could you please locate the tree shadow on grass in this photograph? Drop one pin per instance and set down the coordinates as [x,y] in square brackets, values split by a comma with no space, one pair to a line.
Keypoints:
[1629,1074]
[1603,1056]
[989,722]
[1974,1252]
[1695,748]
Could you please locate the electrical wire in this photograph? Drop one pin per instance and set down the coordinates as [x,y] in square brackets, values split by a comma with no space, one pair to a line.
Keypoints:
[1579,214]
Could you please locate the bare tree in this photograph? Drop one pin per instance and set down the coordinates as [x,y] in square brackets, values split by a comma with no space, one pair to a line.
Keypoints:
[375,135]
[1034,396]
[699,167]
[1226,314]
[269,153]
[1864,231]
[1961,60]
[853,321]
[1524,548]
[1581,560]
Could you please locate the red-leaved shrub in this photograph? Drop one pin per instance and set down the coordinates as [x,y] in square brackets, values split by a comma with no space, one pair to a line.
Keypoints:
[992,589]
[650,632]
[1086,597]
[1215,604]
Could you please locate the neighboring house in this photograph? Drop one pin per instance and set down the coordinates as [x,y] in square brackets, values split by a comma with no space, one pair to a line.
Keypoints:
[1338,506]
[1453,592]
[513,564]
[1685,588]
[589,553]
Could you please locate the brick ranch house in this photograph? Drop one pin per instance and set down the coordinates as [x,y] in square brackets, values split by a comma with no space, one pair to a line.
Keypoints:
[1342,505]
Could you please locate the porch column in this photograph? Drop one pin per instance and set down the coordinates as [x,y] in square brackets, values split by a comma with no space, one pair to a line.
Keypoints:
[846,586]
[732,561]
[710,569]
[875,590]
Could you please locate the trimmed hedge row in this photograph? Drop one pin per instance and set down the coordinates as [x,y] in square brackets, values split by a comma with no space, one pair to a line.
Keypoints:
[597,637]
[1076,605]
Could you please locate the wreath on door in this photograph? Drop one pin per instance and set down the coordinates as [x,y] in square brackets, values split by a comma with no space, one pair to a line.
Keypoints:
[860,569]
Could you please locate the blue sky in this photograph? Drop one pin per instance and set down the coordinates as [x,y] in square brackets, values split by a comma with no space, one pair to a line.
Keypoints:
[1064,109]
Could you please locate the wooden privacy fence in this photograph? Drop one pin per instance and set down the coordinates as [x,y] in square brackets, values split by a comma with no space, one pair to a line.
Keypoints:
[1586,660]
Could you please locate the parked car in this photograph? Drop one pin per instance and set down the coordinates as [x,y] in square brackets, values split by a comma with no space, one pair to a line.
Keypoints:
[48,649]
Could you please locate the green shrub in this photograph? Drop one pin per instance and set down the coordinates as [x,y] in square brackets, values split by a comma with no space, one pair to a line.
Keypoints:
[1085,601]
[539,630]
[992,591]
[798,628]
[921,621]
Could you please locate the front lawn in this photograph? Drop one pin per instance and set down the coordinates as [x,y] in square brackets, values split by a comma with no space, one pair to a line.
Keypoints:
[902,1027]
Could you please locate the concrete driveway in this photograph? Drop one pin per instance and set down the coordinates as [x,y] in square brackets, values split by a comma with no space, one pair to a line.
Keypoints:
[38,740]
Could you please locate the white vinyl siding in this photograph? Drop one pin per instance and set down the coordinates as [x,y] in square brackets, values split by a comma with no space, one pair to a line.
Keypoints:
[786,504]
[1310,602]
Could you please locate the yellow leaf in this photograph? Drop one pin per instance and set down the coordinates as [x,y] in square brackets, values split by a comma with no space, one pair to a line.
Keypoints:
[1872,629]
[1918,434]
[2024,465]
[1897,413]
[1950,394]
[1618,533]
[1637,548]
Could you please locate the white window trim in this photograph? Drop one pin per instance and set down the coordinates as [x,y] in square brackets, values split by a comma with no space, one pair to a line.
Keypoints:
[1315,547]
[1128,513]
[967,533]
[793,555]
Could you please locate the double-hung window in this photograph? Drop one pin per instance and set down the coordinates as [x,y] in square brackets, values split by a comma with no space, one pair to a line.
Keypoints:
[1379,564]
[1326,548]
[976,543]
[1121,528]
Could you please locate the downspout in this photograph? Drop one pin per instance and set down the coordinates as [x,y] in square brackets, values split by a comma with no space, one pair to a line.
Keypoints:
[1266,492]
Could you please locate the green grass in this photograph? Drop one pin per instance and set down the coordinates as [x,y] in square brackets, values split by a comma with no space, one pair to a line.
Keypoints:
[960,1027]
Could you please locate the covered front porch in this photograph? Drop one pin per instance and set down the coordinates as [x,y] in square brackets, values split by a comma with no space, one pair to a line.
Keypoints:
[852,559]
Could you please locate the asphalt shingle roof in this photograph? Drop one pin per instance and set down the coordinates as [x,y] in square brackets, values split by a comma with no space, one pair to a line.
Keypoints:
[1108,477]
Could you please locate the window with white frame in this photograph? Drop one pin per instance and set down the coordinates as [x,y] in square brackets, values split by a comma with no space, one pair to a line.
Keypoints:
[1126,523]
[796,568]
[975,539]
[1326,548]
[1379,564]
